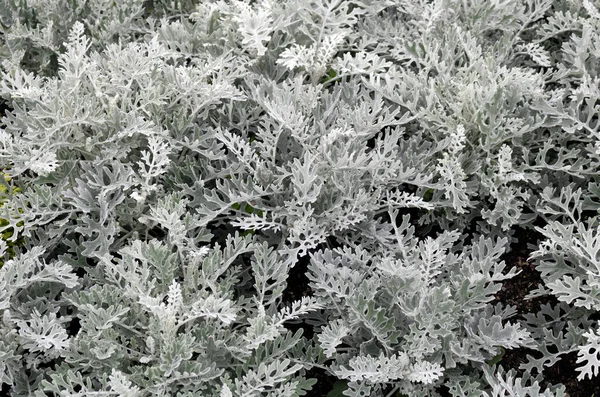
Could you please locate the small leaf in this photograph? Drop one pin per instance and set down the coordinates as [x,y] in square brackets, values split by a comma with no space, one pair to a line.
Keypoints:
[338,389]
[496,359]
[428,195]
[329,76]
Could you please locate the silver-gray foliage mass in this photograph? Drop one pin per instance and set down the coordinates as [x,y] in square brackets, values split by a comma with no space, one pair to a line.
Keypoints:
[175,160]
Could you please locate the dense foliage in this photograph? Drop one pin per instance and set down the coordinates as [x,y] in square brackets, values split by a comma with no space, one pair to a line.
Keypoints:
[167,163]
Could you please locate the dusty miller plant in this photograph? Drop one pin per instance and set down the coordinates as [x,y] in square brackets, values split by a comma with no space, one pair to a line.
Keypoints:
[175,161]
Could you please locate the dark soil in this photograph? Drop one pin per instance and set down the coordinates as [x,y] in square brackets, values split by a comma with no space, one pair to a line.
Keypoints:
[324,383]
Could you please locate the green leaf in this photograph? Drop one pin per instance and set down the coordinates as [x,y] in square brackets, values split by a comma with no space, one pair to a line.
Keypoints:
[329,76]
[496,359]
[338,389]
[428,195]
[247,208]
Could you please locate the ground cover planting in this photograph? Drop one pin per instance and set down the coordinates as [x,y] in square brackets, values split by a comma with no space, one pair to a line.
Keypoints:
[300,198]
